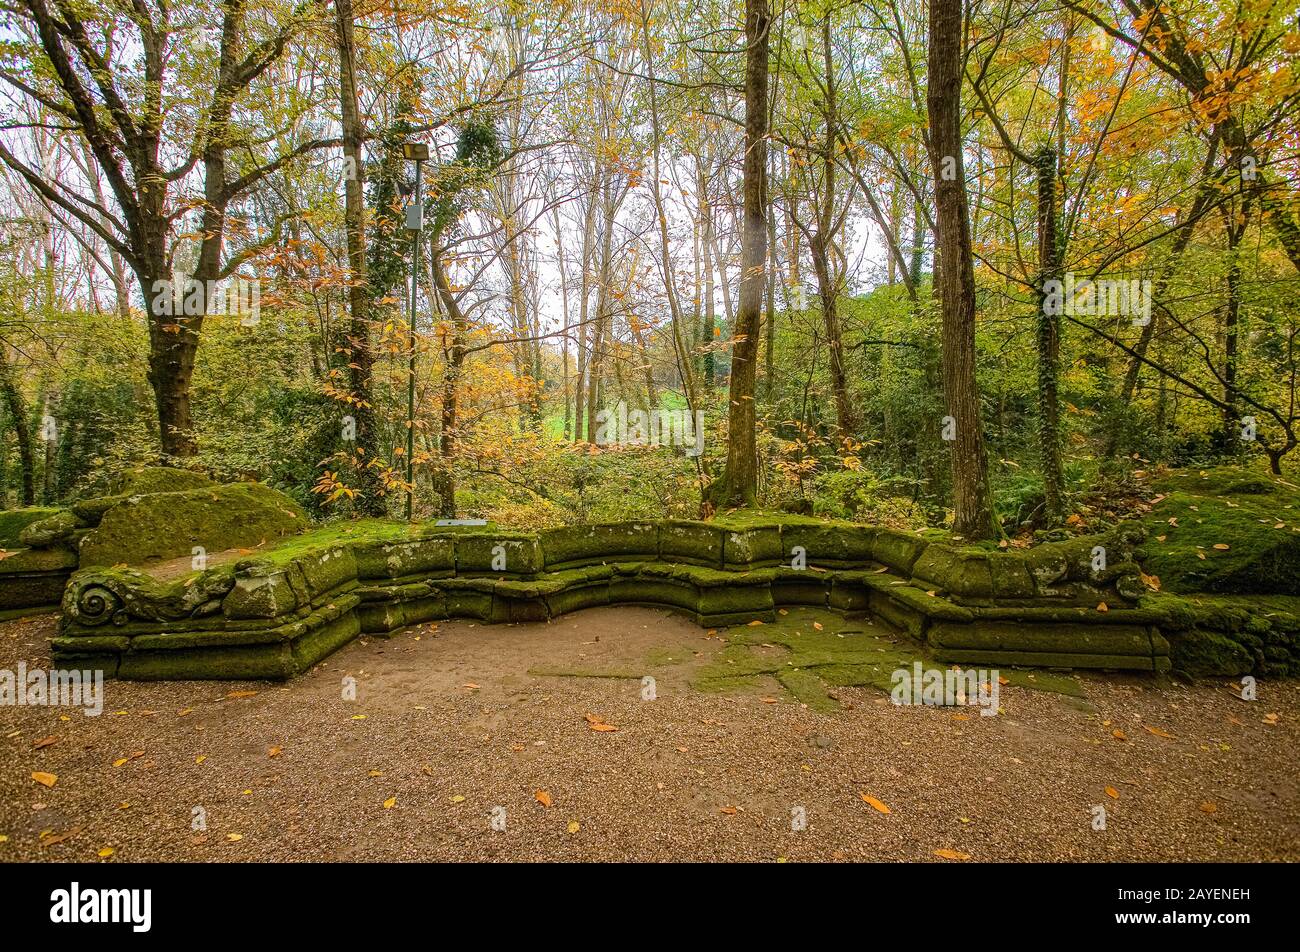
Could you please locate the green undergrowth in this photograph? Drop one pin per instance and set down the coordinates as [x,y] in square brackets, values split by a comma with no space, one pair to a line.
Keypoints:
[811,662]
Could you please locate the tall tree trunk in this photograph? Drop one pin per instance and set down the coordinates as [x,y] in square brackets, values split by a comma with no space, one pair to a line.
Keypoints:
[361,360]
[453,349]
[1049,341]
[18,413]
[973,516]
[739,483]
[708,334]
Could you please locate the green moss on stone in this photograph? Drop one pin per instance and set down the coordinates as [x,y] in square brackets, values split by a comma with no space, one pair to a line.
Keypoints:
[163,526]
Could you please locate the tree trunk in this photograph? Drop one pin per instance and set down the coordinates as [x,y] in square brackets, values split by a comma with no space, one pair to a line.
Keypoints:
[1049,342]
[18,413]
[361,358]
[973,516]
[739,483]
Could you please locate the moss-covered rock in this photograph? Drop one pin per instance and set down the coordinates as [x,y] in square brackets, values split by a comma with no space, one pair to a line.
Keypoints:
[14,521]
[162,526]
[1225,530]
[139,480]
[56,530]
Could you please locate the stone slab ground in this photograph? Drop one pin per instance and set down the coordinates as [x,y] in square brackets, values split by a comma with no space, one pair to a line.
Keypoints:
[455,719]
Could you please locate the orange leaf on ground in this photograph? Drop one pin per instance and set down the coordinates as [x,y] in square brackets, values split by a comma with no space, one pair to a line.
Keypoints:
[542,797]
[951,854]
[1112,793]
[875,804]
[45,779]
[1156,731]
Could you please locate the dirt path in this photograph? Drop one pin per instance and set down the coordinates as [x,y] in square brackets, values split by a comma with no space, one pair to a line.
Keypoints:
[450,729]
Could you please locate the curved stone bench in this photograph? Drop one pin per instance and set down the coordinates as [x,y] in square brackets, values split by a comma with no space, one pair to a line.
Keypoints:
[275,614]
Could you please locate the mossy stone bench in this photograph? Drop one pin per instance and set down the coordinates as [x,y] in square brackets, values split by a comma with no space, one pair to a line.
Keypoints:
[277,612]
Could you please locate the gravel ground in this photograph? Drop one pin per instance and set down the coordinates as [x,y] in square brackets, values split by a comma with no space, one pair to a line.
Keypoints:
[449,731]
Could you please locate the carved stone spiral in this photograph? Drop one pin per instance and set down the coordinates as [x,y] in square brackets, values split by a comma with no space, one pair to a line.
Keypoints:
[98,604]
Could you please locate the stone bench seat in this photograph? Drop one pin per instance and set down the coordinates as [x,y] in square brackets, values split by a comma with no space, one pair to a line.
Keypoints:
[279,611]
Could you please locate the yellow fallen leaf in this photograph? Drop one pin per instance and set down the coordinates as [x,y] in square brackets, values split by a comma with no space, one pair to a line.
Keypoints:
[574,826]
[1270,718]
[1112,793]
[275,751]
[755,623]
[542,797]
[45,779]
[1208,807]
[1222,546]
[375,773]
[200,758]
[1103,607]
[234,837]
[119,762]
[817,625]
[875,804]
[358,717]
[951,854]
[390,803]
[105,853]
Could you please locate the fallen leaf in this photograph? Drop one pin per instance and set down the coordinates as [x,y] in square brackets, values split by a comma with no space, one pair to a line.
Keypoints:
[275,751]
[1208,807]
[542,797]
[119,762]
[755,623]
[875,804]
[729,811]
[45,742]
[1103,607]
[200,758]
[1222,546]
[1156,731]
[234,837]
[105,853]
[574,826]
[1270,718]
[1118,734]
[1112,793]
[951,854]
[390,803]
[45,779]
[458,798]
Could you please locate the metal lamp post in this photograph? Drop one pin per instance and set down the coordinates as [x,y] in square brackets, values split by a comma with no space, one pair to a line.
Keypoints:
[419,153]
